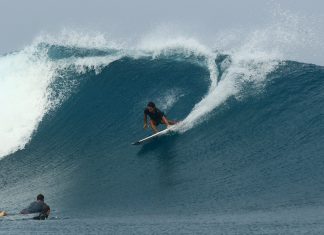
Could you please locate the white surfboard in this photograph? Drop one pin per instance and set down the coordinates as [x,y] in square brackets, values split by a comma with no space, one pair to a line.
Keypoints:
[153,136]
[18,216]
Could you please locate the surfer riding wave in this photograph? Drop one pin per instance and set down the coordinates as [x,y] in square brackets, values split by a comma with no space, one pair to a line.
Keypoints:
[156,117]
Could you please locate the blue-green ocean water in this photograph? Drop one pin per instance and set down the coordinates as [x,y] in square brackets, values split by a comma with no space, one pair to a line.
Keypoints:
[252,163]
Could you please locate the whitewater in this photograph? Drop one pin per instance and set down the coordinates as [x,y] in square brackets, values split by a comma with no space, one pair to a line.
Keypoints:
[247,157]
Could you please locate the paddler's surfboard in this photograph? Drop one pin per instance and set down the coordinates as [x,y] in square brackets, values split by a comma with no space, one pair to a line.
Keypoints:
[5,216]
[152,136]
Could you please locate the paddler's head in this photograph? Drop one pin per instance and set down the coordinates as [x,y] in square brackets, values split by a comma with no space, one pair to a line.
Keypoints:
[40,197]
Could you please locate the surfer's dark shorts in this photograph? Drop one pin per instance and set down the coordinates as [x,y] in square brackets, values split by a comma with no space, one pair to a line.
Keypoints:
[157,122]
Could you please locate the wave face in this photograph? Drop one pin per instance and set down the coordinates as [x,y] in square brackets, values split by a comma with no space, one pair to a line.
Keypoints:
[251,138]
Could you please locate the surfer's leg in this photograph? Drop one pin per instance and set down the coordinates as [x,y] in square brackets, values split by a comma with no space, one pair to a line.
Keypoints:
[153,126]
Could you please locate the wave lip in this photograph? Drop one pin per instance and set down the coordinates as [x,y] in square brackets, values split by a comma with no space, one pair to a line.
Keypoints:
[24,97]
[32,84]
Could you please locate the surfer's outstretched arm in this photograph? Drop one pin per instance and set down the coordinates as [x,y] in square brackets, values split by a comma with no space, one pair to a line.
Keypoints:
[168,122]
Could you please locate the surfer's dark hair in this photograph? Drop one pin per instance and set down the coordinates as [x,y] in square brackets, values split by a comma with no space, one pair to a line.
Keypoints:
[40,197]
[151,104]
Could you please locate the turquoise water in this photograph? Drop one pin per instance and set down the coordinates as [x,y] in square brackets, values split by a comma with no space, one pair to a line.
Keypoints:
[247,160]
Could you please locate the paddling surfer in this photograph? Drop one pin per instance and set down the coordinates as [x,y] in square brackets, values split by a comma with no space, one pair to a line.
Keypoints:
[38,206]
[156,117]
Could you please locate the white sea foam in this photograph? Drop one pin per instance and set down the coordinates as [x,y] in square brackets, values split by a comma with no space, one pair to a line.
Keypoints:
[24,79]
[257,54]
[168,41]
[72,38]
[229,85]
[26,94]
[170,98]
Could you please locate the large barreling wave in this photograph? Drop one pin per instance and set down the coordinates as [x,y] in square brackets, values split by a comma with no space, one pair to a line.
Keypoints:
[38,79]
[251,135]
